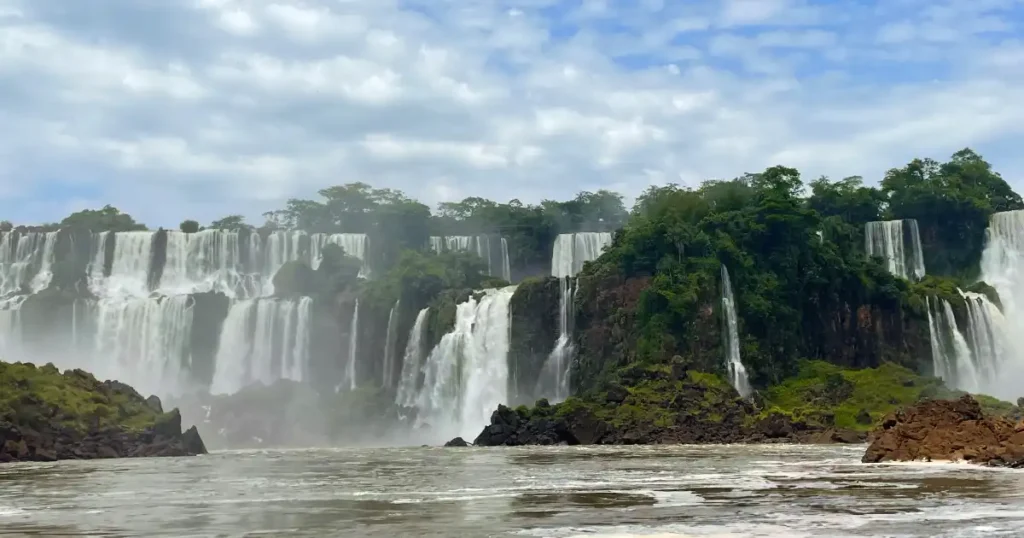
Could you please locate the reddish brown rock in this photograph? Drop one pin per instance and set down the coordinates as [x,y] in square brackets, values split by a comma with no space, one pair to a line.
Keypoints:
[947,430]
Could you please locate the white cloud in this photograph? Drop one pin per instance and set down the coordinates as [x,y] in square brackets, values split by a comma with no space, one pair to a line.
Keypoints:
[224,106]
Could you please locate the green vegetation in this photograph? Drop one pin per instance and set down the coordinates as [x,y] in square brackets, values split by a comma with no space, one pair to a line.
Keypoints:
[41,397]
[824,394]
[656,292]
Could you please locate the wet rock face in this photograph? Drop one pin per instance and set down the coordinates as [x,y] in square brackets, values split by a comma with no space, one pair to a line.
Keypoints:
[947,430]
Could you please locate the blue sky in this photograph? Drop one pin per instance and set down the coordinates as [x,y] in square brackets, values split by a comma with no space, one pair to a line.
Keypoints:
[201,108]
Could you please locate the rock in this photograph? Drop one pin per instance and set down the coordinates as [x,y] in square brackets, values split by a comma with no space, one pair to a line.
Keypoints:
[864,417]
[192,443]
[946,430]
[616,394]
[154,403]
[168,426]
[45,419]
[457,442]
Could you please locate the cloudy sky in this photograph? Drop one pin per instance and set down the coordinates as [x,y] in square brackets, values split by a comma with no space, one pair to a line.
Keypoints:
[199,108]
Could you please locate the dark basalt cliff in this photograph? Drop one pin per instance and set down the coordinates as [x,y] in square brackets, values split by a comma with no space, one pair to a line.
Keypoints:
[46,415]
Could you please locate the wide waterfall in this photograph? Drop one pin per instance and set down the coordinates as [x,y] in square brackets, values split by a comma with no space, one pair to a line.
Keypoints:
[262,341]
[466,374]
[137,322]
[571,251]
[412,362]
[733,365]
[886,239]
[498,263]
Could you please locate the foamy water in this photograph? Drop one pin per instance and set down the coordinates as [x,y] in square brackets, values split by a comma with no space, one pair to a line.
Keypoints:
[704,491]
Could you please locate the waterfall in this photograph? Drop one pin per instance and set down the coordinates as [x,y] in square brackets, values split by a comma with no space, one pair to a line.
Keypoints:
[733,365]
[142,342]
[354,245]
[554,381]
[388,375]
[479,245]
[262,341]
[506,263]
[1001,355]
[353,348]
[571,251]
[466,374]
[411,362]
[886,239]
[25,261]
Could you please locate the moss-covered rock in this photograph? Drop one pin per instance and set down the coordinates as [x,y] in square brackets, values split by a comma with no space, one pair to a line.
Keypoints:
[639,405]
[441,319]
[46,415]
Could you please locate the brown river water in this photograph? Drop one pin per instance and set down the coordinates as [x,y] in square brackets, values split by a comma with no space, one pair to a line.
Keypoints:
[665,491]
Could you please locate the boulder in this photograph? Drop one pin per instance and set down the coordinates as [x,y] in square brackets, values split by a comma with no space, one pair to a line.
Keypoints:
[947,430]
[457,442]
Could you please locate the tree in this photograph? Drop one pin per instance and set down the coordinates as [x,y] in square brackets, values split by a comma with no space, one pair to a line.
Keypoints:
[189,226]
[107,219]
[6,226]
[230,222]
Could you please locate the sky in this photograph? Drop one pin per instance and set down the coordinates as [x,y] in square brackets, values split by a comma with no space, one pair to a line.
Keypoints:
[175,109]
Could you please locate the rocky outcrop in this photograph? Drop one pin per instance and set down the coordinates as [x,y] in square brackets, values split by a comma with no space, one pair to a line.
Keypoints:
[534,309]
[48,416]
[954,430]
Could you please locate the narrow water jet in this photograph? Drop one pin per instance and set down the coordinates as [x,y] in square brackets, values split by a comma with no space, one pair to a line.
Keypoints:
[388,374]
[733,364]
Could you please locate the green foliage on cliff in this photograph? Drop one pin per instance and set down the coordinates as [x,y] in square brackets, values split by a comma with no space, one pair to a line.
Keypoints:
[952,203]
[38,397]
[803,286]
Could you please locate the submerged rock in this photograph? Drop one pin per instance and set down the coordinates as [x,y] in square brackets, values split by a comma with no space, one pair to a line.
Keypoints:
[952,430]
[46,416]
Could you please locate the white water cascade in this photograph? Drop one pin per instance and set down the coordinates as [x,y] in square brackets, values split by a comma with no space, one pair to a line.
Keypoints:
[733,363]
[262,341]
[412,362]
[388,374]
[479,245]
[1002,267]
[887,239]
[571,251]
[25,261]
[968,355]
[466,374]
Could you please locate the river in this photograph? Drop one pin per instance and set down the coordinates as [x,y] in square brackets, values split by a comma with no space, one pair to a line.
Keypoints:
[777,491]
